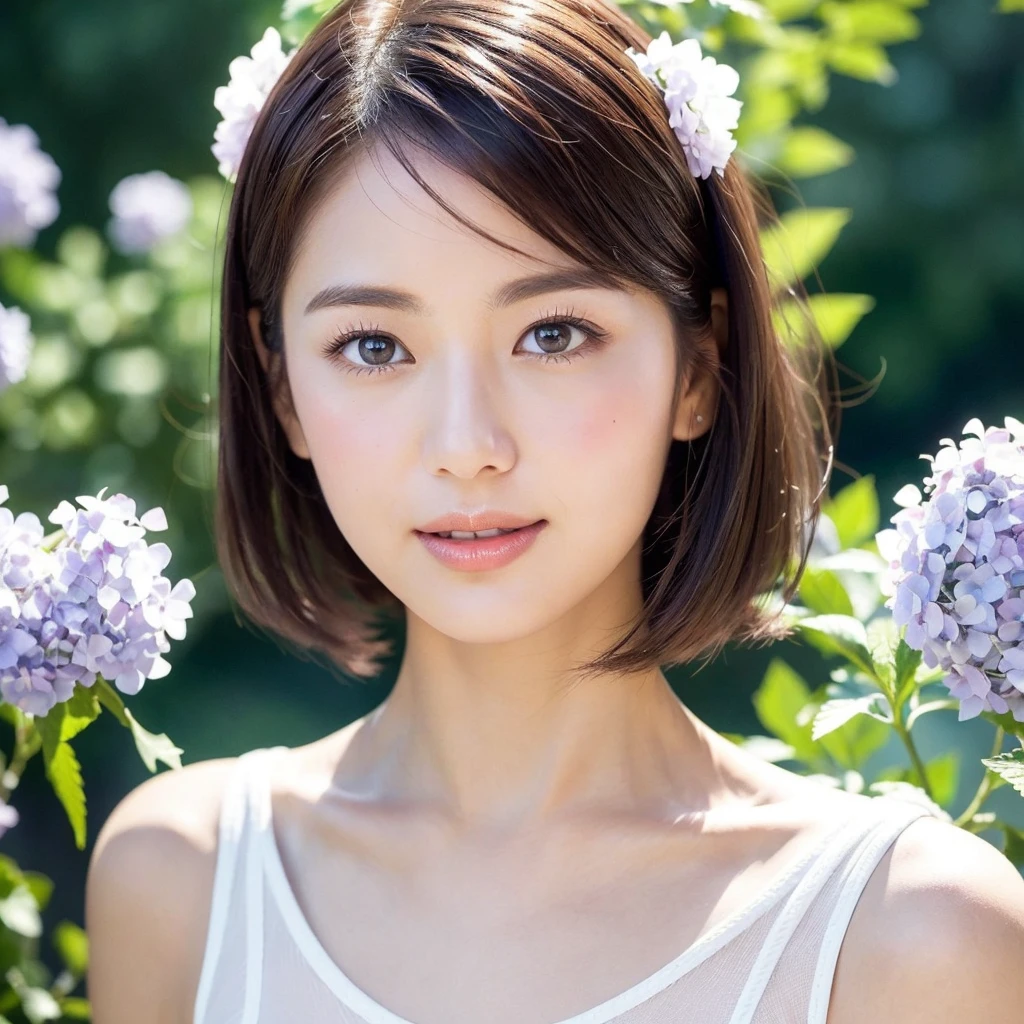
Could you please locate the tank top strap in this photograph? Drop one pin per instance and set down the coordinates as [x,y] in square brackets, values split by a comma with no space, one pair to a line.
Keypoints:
[861,843]
[240,801]
[856,873]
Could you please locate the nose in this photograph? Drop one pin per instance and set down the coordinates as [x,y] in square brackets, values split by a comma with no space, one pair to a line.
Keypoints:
[465,431]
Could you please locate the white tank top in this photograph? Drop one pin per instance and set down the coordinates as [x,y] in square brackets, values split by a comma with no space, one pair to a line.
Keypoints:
[770,962]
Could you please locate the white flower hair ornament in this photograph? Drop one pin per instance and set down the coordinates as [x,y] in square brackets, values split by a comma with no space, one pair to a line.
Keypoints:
[242,99]
[697,91]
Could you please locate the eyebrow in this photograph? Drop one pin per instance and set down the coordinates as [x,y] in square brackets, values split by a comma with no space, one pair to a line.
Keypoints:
[514,291]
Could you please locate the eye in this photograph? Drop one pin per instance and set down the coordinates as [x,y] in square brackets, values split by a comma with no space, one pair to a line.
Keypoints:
[564,338]
[364,351]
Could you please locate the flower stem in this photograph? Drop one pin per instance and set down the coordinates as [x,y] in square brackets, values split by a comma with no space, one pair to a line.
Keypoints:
[26,745]
[987,781]
[915,757]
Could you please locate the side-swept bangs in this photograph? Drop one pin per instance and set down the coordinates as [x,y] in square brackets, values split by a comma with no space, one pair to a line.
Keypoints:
[537,101]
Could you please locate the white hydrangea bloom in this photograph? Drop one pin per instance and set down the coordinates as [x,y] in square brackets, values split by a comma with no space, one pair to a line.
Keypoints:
[697,91]
[16,344]
[241,100]
[28,182]
[147,208]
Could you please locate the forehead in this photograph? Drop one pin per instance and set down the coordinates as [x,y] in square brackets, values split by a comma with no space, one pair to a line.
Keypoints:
[377,223]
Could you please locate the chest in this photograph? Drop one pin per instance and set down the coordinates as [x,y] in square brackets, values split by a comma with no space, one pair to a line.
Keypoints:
[528,929]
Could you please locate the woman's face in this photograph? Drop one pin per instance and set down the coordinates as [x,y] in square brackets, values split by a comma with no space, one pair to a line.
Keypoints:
[451,398]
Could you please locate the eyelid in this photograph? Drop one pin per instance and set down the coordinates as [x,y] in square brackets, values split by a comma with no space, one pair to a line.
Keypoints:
[595,336]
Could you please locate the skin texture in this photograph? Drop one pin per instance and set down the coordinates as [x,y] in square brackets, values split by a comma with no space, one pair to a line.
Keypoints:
[521,848]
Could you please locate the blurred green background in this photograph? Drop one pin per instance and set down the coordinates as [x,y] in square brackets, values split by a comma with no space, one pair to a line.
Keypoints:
[115,87]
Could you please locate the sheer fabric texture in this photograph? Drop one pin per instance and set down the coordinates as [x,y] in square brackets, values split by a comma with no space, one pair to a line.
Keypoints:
[770,962]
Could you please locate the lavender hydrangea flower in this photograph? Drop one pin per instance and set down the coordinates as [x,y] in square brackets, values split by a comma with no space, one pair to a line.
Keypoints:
[97,604]
[16,343]
[956,567]
[28,182]
[241,100]
[147,208]
[697,91]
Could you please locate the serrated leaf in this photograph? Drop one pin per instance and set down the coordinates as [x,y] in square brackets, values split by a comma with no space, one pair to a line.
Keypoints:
[152,747]
[80,711]
[65,775]
[800,241]
[835,713]
[778,701]
[839,634]
[72,944]
[854,511]
[907,661]
[1009,766]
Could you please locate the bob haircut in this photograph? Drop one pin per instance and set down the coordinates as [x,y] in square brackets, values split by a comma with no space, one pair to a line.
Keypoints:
[537,101]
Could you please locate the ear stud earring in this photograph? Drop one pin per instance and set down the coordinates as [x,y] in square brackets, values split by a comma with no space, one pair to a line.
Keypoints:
[700,419]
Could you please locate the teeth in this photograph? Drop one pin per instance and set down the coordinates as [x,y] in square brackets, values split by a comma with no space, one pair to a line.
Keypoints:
[471,535]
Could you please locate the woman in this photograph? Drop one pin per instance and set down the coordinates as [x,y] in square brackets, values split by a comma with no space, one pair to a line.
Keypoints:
[498,360]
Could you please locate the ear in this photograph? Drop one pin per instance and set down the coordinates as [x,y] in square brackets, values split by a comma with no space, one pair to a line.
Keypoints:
[281,399]
[698,397]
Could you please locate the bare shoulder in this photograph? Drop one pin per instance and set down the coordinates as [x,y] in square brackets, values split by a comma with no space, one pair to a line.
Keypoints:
[148,892]
[937,935]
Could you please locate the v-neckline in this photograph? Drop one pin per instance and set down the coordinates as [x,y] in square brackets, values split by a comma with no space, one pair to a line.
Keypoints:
[373,1012]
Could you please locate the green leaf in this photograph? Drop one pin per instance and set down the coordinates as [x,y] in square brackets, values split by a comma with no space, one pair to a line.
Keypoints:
[20,912]
[865,61]
[808,151]
[833,316]
[72,944]
[75,1008]
[1014,846]
[822,591]
[152,747]
[907,661]
[789,10]
[82,709]
[835,713]
[839,634]
[65,774]
[800,241]
[778,701]
[40,886]
[1010,6]
[943,775]
[1009,766]
[836,315]
[854,510]
[876,21]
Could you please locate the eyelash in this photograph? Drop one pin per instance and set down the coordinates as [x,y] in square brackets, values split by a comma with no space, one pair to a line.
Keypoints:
[595,337]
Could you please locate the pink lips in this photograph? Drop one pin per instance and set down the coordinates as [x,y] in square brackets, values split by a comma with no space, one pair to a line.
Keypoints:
[482,554]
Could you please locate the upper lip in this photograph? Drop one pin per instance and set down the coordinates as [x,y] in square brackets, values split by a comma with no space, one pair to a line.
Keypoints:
[487,519]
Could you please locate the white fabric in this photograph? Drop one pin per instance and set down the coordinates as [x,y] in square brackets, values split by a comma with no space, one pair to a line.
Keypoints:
[770,962]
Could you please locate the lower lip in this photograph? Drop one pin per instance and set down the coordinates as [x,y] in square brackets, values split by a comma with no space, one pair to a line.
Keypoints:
[484,553]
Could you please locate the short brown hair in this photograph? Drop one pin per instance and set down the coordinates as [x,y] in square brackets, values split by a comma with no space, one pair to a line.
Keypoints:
[537,101]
